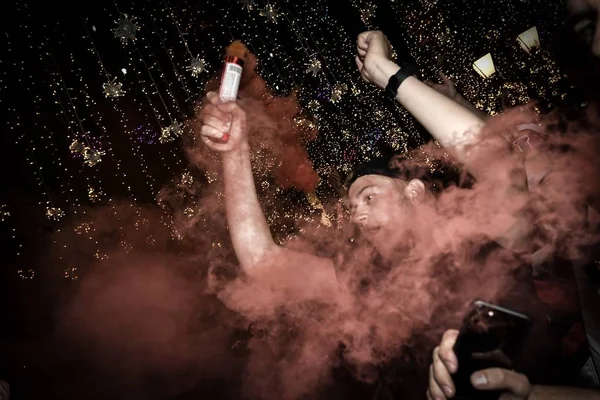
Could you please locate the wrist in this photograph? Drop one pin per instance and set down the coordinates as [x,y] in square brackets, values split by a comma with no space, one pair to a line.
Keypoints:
[383,70]
[241,151]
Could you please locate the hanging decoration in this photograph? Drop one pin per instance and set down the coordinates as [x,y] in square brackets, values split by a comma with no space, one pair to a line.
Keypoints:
[112,89]
[126,28]
[314,67]
[197,66]
[92,157]
[314,105]
[54,213]
[169,133]
[77,147]
[338,90]
[270,13]
[247,4]
[94,195]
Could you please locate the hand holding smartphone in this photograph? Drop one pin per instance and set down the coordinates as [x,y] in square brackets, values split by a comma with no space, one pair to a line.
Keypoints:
[490,337]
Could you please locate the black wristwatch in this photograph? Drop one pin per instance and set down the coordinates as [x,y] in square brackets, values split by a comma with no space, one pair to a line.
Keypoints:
[396,80]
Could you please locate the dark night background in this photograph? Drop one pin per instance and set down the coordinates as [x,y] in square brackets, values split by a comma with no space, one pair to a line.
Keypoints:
[52,94]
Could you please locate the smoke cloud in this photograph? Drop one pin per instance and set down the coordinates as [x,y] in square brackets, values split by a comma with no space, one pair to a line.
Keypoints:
[163,309]
[277,133]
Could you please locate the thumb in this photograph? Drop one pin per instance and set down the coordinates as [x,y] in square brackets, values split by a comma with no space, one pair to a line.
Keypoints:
[502,379]
[359,63]
[231,107]
[213,98]
[238,115]
[362,41]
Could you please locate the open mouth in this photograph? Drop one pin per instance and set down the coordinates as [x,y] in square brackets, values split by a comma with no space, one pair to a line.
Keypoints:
[370,232]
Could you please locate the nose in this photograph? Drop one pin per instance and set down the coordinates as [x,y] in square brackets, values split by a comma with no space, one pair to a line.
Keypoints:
[360,217]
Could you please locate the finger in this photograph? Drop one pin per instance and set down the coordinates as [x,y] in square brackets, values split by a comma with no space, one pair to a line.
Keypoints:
[238,115]
[214,144]
[447,350]
[211,109]
[211,116]
[441,375]
[359,63]
[220,124]
[211,133]
[434,389]
[362,42]
[428,394]
[213,98]
[444,77]
[502,379]
[231,108]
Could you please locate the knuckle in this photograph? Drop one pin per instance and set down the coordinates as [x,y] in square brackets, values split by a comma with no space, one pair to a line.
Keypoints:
[496,375]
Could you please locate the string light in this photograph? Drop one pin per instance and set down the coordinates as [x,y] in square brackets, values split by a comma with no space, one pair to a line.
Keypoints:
[163,55]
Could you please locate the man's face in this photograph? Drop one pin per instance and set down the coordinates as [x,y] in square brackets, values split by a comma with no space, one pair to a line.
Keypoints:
[583,18]
[380,208]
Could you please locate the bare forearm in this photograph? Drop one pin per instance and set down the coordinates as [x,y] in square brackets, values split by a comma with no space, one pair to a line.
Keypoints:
[302,275]
[250,234]
[449,122]
[563,393]
[465,103]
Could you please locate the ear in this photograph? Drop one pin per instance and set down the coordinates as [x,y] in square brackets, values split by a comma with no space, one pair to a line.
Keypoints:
[415,191]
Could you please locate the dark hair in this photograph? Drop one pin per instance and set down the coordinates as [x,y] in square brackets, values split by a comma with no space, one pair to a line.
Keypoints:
[435,174]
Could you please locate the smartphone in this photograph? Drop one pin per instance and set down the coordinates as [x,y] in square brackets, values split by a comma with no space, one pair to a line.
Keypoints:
[490,337]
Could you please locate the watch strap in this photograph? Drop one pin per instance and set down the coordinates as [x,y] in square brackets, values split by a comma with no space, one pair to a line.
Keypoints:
[396,80]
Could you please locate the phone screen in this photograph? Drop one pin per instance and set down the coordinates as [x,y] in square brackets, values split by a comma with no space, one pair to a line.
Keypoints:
[490,337]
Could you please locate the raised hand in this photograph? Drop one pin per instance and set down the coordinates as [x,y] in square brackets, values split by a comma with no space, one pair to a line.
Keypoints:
[373,57]
[223,126]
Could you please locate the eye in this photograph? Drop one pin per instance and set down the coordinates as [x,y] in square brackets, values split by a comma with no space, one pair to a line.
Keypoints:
[368,198]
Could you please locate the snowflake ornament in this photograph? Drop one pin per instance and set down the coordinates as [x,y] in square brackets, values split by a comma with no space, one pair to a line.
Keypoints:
[112,89]
[126,28]
[270,13]
[176,128]
[187,179]
[165,135]
[340,87]
[54,213]
[94,195]
[248,4]
[338,90]
[197,66]
[92,157]
[77,147]
[336,96]
[314,66]
[169,133]
[314,105]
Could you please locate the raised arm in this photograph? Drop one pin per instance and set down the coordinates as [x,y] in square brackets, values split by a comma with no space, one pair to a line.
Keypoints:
[258,254]
[454,126]
[448,89]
